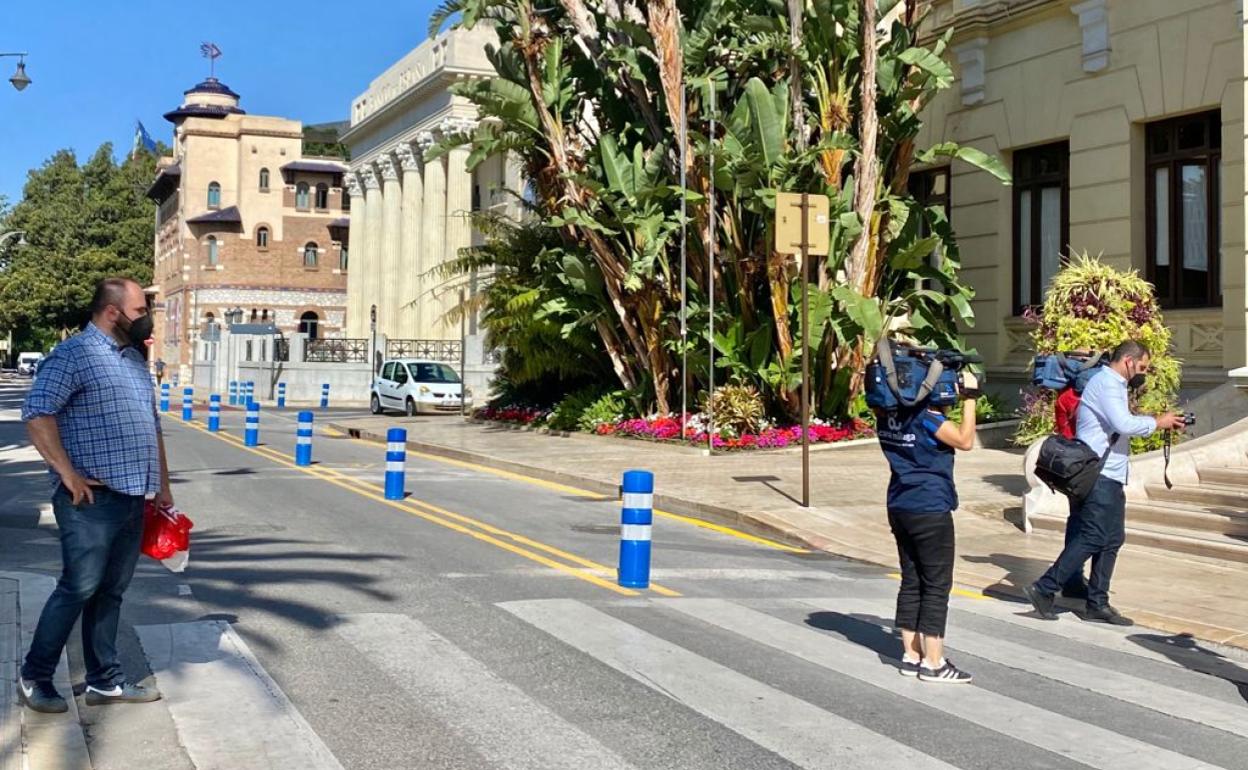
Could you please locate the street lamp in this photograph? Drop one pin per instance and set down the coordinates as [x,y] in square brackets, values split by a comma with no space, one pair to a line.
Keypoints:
[20,79]
[21,240]
[372,328]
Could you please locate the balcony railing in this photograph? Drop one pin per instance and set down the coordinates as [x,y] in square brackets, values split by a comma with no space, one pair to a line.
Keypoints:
[447,351]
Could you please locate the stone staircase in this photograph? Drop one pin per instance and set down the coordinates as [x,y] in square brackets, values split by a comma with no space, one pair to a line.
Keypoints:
[1208,518]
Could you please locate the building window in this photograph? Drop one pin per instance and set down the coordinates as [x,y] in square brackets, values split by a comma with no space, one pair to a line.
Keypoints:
[214,254]
[342,258]
[308,323]
[214,195]
[346,200]
[264,180]
[254,315]
[264,316]
[322,196]
[476,197]
[1041,219]
[1184,209]
[301,195]
[262,237]
[309,254]
[930,189]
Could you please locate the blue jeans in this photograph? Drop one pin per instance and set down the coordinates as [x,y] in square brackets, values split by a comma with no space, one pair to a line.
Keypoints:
[1077,583]
[100,545]
[1101,531]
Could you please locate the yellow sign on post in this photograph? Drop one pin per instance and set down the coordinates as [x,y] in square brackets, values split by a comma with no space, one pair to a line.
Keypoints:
[789,207]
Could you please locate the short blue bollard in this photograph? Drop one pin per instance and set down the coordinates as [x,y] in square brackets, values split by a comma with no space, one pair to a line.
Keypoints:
[233,392]
[214,413]
[325,395]
[251,428]
[164,396]
[281,395]
[250,395]
[396,460]
[188,395]
[636,519]
[303,440]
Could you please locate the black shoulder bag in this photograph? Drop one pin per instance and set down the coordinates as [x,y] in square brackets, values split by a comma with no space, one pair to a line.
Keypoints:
[1069,466]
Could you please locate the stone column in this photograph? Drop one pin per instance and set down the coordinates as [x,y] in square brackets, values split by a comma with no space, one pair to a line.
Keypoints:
[459,182]
[411,266]
[372,266]
[434,208]
[391,247]
[357,311]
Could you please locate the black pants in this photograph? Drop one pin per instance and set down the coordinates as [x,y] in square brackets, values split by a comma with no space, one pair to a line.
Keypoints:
[1102,530]
[925,548]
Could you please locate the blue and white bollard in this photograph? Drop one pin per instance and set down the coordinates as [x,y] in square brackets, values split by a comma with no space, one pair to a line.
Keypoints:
[188,394]
[281,395]
[164,396]
[251,431]
[214,413]
[636,519]
[325,395]
[303,440]
[233,392]
[250,395]
[396,461]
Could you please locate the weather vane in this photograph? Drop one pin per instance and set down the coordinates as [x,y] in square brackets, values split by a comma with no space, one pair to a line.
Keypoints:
[211,53]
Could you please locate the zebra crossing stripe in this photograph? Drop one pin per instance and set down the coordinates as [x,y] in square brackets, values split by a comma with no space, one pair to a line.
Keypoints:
[1161,698]
[503,724]
[1089,744]
[227,710]
[796,730]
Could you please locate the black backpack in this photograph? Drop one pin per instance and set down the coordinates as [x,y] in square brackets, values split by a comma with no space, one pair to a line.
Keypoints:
[1069,466]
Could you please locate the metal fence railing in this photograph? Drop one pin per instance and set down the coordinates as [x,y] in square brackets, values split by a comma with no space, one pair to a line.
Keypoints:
[336,351]
[447,351]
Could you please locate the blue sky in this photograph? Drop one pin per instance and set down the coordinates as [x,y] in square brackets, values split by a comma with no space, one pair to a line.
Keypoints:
[97,65]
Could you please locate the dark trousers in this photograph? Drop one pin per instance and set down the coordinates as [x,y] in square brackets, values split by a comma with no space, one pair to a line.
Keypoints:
[925,548]
[99,549]
[1101,532]
[1077,583]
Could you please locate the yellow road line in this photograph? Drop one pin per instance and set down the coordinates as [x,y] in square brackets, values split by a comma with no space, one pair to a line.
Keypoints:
[555,486]
[956,590]
[415,510]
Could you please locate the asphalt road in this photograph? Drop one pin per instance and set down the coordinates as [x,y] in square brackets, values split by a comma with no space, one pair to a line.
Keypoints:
[477,624]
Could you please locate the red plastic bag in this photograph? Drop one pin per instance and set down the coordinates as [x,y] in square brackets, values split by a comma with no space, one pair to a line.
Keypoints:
[167,536]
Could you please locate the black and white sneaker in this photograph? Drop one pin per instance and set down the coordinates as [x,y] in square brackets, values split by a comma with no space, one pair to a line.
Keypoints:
[946,674]
[908,669]
[41,697]
[121,693]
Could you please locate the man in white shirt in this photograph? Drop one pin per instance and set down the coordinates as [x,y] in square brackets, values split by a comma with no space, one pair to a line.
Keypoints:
[1103,417]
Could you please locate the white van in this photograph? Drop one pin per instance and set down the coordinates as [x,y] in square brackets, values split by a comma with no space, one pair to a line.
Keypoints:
[26,363]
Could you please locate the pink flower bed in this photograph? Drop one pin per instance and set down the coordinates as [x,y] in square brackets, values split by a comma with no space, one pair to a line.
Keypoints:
[668,429]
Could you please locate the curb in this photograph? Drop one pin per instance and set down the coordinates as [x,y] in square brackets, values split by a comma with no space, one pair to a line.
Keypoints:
[775,528]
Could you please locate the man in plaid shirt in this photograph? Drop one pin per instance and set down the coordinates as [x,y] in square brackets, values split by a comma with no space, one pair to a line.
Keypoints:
[92,415]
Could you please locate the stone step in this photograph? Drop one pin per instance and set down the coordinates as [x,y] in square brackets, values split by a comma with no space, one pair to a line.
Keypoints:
[1176,540]
[1205,495]
[1226,521]
[1229,477]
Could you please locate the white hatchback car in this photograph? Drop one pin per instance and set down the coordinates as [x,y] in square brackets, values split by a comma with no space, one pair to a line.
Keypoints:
[416,385]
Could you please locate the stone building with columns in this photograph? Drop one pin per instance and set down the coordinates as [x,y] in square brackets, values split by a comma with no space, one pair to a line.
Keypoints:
[410,213]
[244,221]
[1123,123]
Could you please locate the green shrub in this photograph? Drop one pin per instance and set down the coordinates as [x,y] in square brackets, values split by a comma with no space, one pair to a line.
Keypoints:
[567,413]
[737,409]
[608,408]
[1092,306]
[988,409]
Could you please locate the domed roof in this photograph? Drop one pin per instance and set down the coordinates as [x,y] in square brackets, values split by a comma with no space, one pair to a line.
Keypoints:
[208,99]
[211,86]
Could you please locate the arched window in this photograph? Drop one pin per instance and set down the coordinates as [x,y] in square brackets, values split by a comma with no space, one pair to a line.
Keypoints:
[309,254]
[342,258]
[254,315]
[264,179]
[346,200]
[301,195]
[264,316]
[214,195]
[308,323]
[322,196]
[214,253]
[262,237]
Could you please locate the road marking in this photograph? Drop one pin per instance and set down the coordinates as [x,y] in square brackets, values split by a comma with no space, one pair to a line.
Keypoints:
[1161,698]
[482,536]
[956,591]
[1057,733]
[798,731]
[227,710]
[502,723]
[555,486]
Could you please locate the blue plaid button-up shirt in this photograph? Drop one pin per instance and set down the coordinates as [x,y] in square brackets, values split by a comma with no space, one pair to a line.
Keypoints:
[101,396]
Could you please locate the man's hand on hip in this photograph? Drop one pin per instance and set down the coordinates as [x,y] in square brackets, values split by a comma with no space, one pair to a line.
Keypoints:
[79,488]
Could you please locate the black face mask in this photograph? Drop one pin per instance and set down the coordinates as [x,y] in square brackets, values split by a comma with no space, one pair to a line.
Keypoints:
[1137,382]
[136,330]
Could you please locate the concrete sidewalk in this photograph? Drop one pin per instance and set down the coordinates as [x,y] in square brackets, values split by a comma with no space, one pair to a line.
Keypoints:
[758,492]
